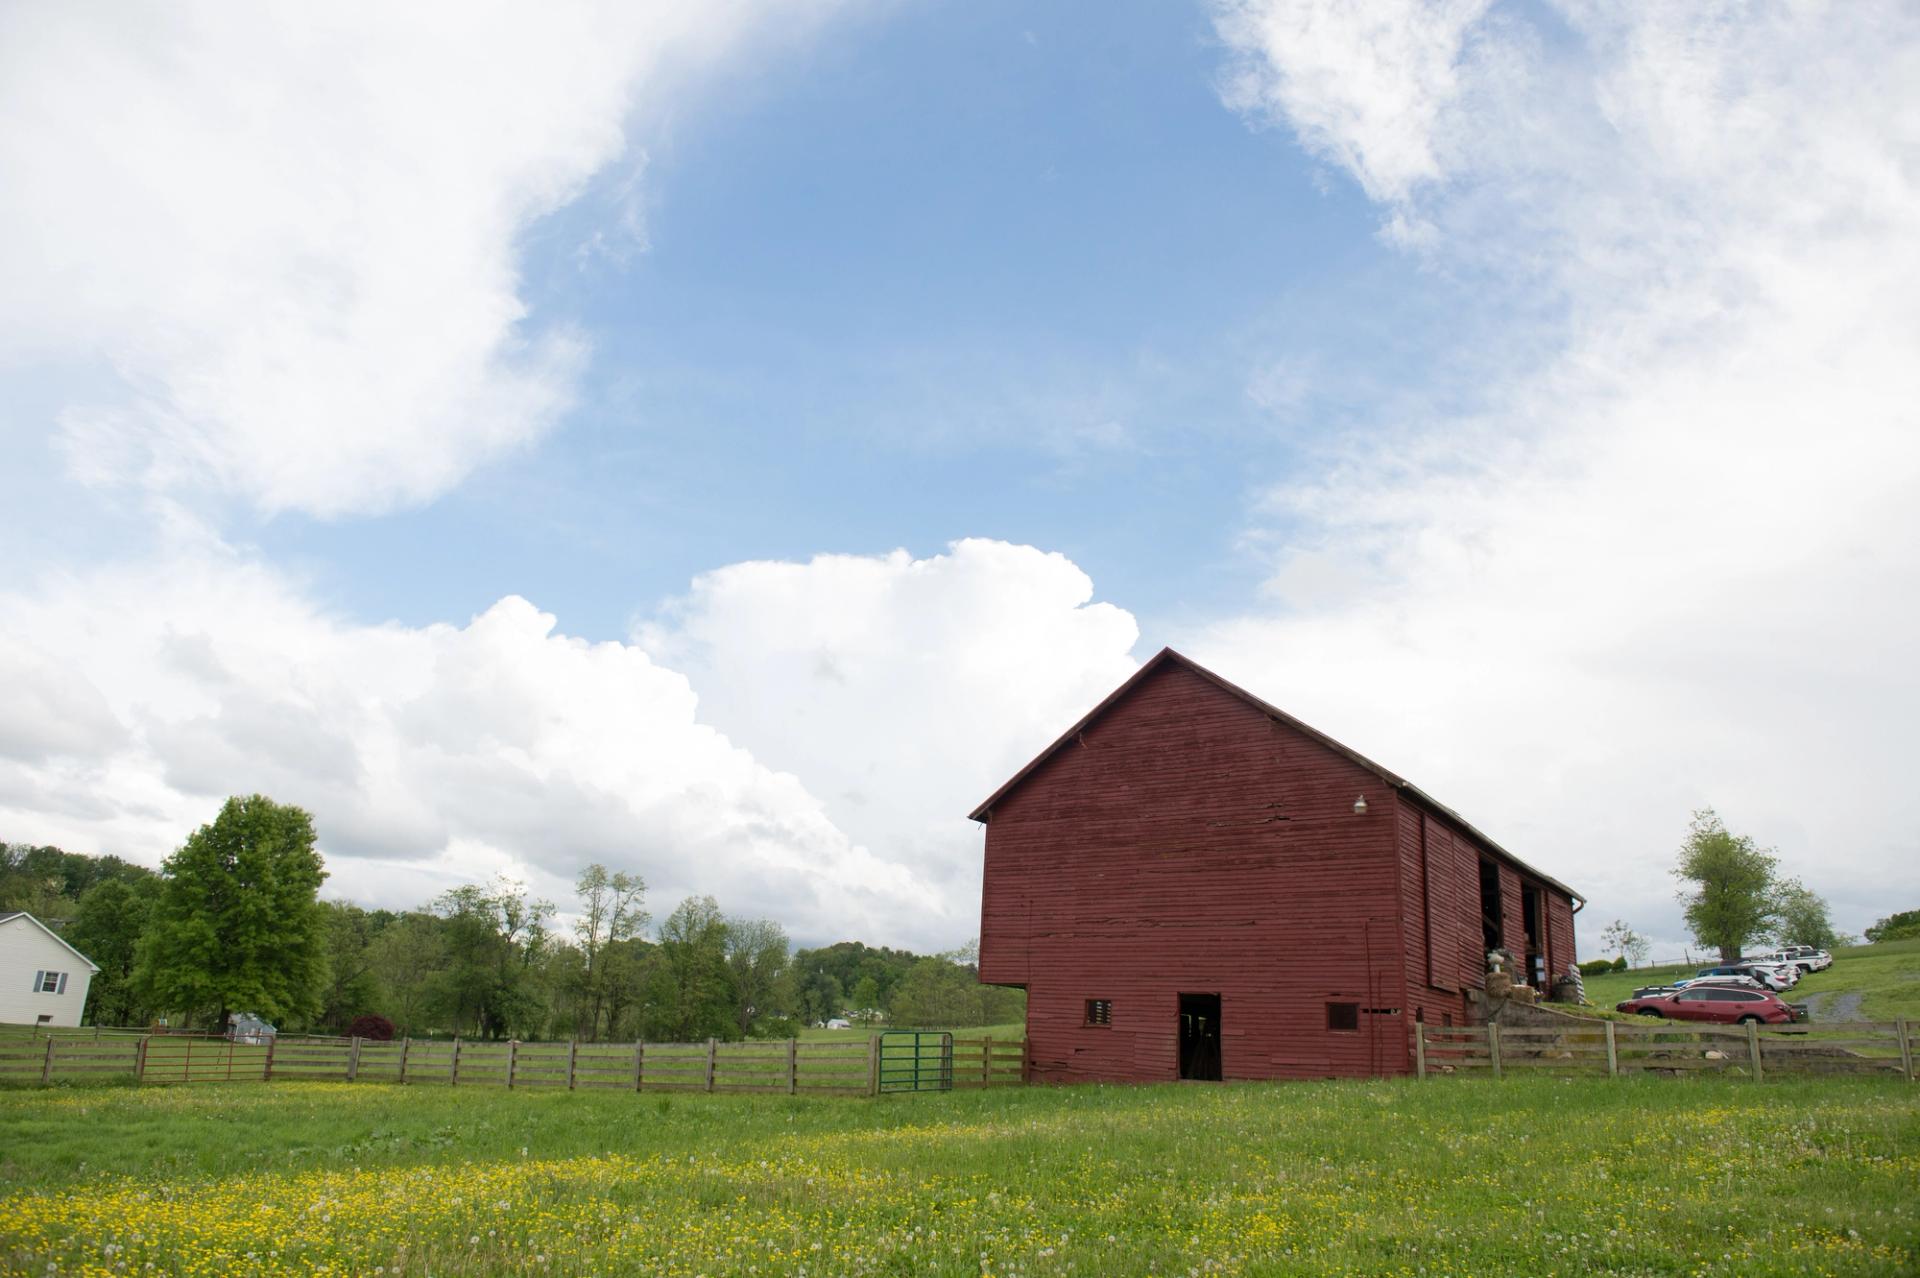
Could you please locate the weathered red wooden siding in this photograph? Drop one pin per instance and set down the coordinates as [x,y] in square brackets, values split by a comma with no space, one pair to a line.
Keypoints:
[1188,843]
[1560,945]
[1442,935]
[1185,841]
[1513,919]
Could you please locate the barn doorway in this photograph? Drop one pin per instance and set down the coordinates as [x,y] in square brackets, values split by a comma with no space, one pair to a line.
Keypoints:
[1200,1037]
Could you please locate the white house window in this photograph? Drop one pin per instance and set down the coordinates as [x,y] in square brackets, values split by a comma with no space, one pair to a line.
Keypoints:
[49,982]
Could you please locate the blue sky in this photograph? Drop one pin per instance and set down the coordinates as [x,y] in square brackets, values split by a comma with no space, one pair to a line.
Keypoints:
[726,441]
[932,281]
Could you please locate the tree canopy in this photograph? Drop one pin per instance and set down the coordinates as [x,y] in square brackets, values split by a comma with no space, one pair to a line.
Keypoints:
[237,925]
[1727,885]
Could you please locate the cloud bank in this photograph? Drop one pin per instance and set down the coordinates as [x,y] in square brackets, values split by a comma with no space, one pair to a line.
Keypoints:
[1661,565]
[276,245]
[901,690]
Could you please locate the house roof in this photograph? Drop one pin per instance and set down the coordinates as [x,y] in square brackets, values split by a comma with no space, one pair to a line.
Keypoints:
[22,914]
[1167,656]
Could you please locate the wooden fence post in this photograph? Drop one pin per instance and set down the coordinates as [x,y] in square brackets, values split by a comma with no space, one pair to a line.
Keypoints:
[46,1068]
[573,1051]
[513,1058]
[986,1061]
[453,1068]
[1419,1050]
[639,1063]
[1613,1053]
[793,1066]
[873,1065]
[1753,1047]
[711,1051]
[140,1059]
[266,1069]
[353,1060]
[1906,1048]
[1493,1046]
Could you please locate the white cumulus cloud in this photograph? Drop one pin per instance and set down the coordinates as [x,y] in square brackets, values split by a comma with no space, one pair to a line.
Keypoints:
[851,711]
[1668,561]
[428,756]
[272,247]
[904,690]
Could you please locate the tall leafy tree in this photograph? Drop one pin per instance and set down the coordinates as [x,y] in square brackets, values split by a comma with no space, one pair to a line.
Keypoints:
[495,938]
[612,910]
[237,925]
[351,988]
[1727,885]
[406,958]
[689,989]
[106,928]
[757,959]
[1802,916]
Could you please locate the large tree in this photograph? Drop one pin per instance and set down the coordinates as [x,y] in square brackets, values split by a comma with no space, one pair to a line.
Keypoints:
[1801,916]
[407,957]
[106,928]
[237,925]
[495,938]
[757,958]
[1727,885]
[351,988]
[689,990]
[612,910]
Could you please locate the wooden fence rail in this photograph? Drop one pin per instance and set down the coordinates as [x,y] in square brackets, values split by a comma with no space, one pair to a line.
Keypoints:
[789,1066]
[1613,1048]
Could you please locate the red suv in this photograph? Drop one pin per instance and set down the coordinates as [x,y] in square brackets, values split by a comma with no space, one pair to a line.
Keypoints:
[1712,1003]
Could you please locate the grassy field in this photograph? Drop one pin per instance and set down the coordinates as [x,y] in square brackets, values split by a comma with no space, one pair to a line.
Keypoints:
[1886,976]
[1531,1176]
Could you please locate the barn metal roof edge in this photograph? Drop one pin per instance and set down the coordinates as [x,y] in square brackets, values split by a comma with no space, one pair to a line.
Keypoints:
[22,914]
[1166,655]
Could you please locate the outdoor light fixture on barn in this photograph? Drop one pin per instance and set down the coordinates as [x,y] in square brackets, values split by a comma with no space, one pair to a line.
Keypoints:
[1179,885]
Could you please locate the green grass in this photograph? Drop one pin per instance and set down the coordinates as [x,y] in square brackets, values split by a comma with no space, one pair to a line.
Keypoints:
[1394,1177]
[1888,976]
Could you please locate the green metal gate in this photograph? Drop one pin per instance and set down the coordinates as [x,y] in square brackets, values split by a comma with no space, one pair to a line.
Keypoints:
[916,1061]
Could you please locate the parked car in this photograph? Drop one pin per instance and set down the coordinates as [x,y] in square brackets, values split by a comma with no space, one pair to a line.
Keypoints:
[1804,957]
[1648,991]
[1773,978]
[1715,1003]
[1727,982]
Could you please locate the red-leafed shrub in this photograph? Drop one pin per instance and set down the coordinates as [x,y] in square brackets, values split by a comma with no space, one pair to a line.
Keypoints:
[378,1028]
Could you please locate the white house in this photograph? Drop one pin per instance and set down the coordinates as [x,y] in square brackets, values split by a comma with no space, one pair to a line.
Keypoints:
[43,980]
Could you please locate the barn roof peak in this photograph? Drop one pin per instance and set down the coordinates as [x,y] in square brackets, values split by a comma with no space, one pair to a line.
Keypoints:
[1167,656]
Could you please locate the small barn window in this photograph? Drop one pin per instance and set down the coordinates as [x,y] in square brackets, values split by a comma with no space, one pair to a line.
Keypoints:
[1343,1016]
[1099,1011]
[49,982]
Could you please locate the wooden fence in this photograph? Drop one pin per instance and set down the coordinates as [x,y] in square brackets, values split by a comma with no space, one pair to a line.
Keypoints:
[1614,1048]
[848,1067]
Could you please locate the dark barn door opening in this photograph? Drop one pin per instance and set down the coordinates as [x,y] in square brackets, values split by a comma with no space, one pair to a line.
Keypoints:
[1200,1037]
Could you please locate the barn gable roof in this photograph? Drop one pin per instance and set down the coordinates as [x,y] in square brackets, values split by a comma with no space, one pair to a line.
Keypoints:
[1167,656]
[22,914]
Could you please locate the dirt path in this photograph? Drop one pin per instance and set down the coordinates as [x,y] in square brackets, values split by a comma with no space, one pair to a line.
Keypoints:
[1836,1006]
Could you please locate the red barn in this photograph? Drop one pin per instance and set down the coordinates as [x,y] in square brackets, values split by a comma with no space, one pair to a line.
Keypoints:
[1191,883]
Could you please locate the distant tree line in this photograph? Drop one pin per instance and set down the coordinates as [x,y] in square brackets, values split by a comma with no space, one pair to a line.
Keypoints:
[233,922]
